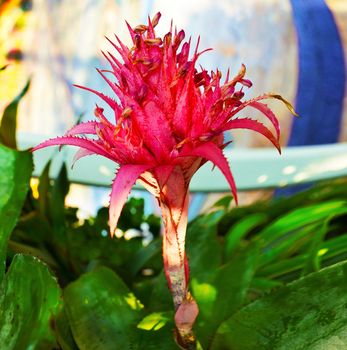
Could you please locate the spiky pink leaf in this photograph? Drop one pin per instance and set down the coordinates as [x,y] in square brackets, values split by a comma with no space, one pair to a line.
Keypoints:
[213,153]
[264,97]
[121,187]
[90,145]
[80,154]
[82,128]
[123,54]
[254,125]
[263,108]
[105,98]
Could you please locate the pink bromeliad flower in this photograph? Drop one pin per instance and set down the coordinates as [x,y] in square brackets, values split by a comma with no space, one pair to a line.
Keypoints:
[169,120]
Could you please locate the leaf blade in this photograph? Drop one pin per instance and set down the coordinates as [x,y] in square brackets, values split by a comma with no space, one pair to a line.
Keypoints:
[304,314]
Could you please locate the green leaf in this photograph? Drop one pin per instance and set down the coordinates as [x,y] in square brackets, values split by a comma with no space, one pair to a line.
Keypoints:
[282,266]
[156,339]
[264,284]
[44,189]
[8,124]
[132,214]
[59,191]
[313,260]
[239,231]
[287,246]
[42,254]
[307,314]
[29,300]
[15,171]
[224,202]
[302,217]
[155,321]
[333,247]
[203,249]
[155,331]
[295,228]
[160,298]
[225,294]
[33,228]
[63,332]
[102,311]
[142,256]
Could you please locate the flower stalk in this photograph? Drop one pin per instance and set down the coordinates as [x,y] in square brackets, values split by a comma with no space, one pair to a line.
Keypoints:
[177,271]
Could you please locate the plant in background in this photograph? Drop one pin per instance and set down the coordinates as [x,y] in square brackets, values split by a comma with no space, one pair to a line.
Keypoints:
[168,121]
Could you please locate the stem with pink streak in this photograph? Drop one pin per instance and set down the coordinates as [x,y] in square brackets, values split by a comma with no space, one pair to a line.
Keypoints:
[177,272]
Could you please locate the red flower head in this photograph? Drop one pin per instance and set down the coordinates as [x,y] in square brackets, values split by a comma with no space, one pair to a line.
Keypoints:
[169,120]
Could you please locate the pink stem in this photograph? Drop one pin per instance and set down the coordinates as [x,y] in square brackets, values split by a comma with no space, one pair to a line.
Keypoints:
[177,272]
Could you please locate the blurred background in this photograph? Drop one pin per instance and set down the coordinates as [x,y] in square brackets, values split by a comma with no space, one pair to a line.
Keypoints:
[292,47]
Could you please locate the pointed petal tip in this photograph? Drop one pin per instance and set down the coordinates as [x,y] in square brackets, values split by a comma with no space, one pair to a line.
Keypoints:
[79,86]
[236,199]
[286,102]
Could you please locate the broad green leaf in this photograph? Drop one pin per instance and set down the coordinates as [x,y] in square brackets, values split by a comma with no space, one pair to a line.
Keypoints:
[102,311]
[15,171]
[8,124]
[308,314]
[63,332]
[29,300]
[142,256]
[155,331]
[40,253]
[226,292]
[162,338]
[160,299]
[203,249]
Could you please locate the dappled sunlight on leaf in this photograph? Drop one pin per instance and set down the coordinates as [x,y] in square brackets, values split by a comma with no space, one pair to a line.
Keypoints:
[205,293]
[133,302]
[155,321]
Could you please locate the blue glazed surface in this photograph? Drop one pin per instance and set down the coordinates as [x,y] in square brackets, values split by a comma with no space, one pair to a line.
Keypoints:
[321,82]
